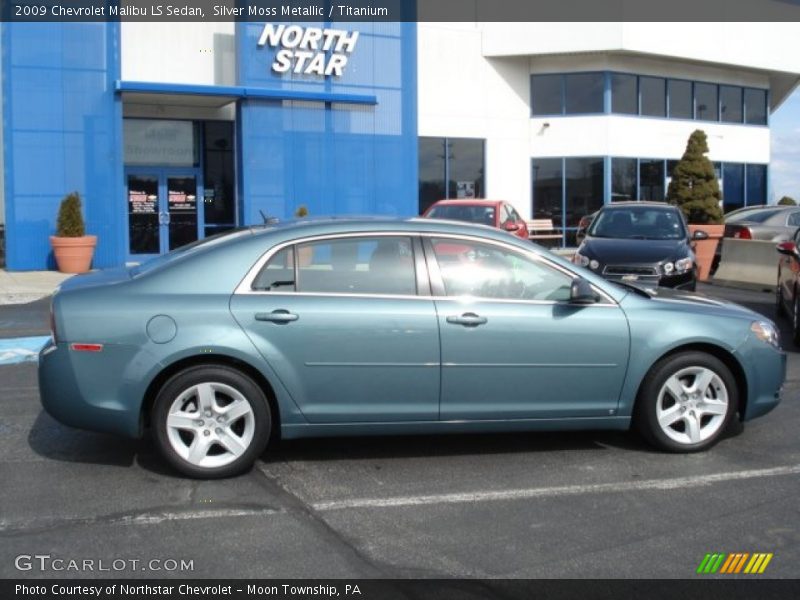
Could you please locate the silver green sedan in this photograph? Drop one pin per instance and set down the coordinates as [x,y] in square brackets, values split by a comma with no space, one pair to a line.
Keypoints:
[349,327]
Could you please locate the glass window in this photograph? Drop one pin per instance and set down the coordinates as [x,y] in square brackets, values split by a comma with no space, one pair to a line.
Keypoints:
[583,178]
[160,142]
[219,177]
[470,213]
[548,189]
[680,99]
[705,102]
[730,98]
[278,273]
[623,179]
[794,219]
[639,221]
[624,99]
[546,95]
[756,184]
[486,271]
[459,159]
[583,93]
[651,180]
[653,96]
[465,166]
[755,106]
[383,265]
[431,172]
[732,186]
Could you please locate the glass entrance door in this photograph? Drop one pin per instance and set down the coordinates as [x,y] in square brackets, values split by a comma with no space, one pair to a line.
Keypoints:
[163,211]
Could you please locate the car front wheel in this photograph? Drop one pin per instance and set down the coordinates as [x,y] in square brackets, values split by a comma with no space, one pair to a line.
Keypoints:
[686,402]
[211,421]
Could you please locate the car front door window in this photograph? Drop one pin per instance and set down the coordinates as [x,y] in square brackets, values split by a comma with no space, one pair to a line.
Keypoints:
[483,270]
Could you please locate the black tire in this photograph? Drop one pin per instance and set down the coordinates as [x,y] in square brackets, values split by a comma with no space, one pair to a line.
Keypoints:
[648,403]
[780,309]
[228,384]
[796,320]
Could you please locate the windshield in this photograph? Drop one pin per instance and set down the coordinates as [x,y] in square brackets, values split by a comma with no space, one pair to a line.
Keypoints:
[196,246]
[754,216]
[464,212]
[639,223]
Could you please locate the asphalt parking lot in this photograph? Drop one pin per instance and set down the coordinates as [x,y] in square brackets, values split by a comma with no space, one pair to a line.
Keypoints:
[559,505]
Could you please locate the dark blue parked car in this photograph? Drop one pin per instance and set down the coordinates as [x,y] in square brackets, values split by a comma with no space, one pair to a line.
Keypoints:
[342,327]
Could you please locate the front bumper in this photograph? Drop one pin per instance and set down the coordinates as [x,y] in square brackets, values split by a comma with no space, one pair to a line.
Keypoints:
[765,370]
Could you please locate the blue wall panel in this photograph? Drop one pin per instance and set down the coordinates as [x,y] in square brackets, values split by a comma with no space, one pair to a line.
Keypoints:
[334,158]
[62,133]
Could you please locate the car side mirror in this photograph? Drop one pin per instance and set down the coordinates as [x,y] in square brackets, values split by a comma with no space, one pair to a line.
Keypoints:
[581,292]
[511,226]
[700,235]
[787,248]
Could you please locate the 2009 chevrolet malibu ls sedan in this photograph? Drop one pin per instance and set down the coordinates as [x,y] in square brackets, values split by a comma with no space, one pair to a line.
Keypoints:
[345,327]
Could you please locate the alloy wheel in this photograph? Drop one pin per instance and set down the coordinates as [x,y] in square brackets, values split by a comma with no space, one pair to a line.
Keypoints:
[210,424]
[692,405]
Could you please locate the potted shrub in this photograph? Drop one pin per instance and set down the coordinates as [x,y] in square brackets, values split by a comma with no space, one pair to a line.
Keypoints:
[695,190]
[73,249]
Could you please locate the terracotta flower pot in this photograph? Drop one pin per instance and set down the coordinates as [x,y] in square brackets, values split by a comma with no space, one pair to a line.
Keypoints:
[704,250]
[73,254]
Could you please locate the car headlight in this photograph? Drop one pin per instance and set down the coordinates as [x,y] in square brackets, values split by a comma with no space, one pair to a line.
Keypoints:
[766,332]
[684,264]
[580,260]
[594,265]
[668,268]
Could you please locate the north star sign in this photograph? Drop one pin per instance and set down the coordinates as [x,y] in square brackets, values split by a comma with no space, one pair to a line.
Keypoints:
[304,50]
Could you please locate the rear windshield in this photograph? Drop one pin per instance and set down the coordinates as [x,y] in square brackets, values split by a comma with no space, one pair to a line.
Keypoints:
[754,216]
[198,246]
[464,212]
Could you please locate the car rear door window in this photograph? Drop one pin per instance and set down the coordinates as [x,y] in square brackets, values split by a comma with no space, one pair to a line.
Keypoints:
[369,265]
[481,270]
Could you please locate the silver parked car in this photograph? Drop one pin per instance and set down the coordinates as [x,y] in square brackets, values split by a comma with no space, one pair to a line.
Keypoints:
[770,223]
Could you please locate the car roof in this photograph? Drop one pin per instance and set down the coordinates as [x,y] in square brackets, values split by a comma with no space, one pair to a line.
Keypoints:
[629,203]
[468,202]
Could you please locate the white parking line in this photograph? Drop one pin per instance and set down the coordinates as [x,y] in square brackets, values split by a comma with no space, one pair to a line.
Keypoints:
[548,492]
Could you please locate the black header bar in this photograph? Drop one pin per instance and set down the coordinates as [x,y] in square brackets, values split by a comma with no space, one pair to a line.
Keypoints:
[401,10]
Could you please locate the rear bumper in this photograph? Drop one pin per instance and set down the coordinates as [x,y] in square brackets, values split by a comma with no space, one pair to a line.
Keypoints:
[93,391]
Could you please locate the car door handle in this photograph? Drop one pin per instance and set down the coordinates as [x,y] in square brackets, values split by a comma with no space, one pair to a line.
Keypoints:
[467,319]
[277,316]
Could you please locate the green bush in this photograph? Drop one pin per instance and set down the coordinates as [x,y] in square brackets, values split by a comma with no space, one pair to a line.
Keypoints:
[694,187]
[787,201]
[70,219]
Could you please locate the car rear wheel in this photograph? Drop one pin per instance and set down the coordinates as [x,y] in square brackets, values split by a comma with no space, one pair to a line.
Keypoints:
[796,320]
[686,402]
[780,309]
[211,421]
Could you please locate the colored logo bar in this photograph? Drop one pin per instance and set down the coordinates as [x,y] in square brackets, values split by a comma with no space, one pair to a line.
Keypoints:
[735,563]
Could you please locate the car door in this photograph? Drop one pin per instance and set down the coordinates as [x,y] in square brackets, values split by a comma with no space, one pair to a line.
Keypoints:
[348,325]
[513,347]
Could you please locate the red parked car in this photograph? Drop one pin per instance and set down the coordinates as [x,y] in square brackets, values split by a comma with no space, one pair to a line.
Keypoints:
[496,213]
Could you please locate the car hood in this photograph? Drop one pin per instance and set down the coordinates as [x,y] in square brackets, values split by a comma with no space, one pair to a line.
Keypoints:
[691,300]
[625,251]
[95,278]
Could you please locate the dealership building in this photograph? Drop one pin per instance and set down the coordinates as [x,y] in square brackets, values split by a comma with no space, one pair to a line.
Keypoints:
[172,132]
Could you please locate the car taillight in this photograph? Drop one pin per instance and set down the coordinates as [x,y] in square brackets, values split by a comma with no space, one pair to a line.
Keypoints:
[743,233]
